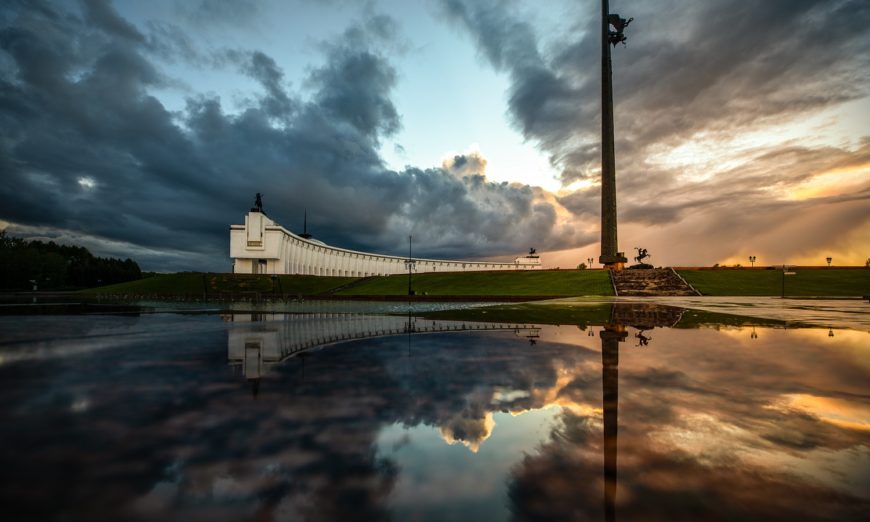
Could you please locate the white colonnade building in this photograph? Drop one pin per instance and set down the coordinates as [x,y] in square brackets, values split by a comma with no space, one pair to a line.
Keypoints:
[261,246]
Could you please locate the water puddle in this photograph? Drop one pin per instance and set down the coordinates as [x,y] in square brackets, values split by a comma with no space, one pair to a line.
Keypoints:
[336,416]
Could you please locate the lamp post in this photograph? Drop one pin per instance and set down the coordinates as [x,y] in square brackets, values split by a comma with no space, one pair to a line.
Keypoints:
[410,264]
[829,259]
[590,260]
[752,260]
[785,272]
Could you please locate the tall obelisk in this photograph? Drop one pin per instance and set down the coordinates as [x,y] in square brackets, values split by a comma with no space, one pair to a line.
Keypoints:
[610,257]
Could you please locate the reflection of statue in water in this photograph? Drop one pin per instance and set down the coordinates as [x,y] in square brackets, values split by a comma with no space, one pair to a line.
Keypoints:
[642,340]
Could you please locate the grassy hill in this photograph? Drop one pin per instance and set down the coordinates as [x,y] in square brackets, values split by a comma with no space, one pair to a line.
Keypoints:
[220,285]
[531,283]
[828,282]
[538,283]
[833,282]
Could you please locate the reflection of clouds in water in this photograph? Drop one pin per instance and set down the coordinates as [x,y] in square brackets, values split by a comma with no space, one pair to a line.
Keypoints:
[682,478]
[471,432]
[688,412]
[703,427]
[836,411]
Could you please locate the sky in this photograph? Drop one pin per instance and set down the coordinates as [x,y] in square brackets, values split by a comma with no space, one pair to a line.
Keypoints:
[144,129]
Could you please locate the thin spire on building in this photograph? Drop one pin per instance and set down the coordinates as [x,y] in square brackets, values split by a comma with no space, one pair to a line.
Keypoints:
[305,233]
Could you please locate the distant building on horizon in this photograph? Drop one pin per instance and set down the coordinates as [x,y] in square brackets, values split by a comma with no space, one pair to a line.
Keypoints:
[261,246]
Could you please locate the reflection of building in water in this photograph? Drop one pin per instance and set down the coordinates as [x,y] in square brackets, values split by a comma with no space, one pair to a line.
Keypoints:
[260,341]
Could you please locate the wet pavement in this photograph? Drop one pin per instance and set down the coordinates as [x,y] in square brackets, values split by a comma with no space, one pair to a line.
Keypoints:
[836,313]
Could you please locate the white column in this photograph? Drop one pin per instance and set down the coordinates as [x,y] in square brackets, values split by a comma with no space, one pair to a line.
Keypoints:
[309,252]
[286,256]
[334,261]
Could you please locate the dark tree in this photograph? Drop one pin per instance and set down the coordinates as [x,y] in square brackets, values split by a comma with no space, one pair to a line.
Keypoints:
[54,266]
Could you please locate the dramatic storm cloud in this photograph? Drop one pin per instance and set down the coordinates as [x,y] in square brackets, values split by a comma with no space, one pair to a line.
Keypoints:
[725,116]
[89,150]
[145,132]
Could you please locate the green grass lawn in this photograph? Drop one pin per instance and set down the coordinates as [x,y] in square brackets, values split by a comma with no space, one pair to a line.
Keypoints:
[207,284]
[184,283]
[833,282]
[531,283]
[310,285]
[826,282]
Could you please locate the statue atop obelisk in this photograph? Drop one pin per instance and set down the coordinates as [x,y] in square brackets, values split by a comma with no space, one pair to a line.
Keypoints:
[610,257]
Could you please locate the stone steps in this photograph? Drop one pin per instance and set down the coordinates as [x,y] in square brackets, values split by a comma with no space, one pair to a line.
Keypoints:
[650,282]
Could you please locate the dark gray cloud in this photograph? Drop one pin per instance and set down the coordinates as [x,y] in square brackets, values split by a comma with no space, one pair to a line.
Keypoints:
[687,67]
[220,12]
[355,88]
[263,68]
[100,13]
[88,151]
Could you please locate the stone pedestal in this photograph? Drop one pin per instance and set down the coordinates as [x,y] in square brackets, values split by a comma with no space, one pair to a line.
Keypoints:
[613,262]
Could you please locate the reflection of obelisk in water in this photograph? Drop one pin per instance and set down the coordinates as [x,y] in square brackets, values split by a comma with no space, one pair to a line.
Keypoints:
[610,257]
[611,336]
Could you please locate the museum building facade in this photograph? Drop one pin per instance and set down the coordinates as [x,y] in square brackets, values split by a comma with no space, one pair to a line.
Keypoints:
[261,246]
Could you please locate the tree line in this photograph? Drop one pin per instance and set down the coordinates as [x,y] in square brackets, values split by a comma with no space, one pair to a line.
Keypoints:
[25,263]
